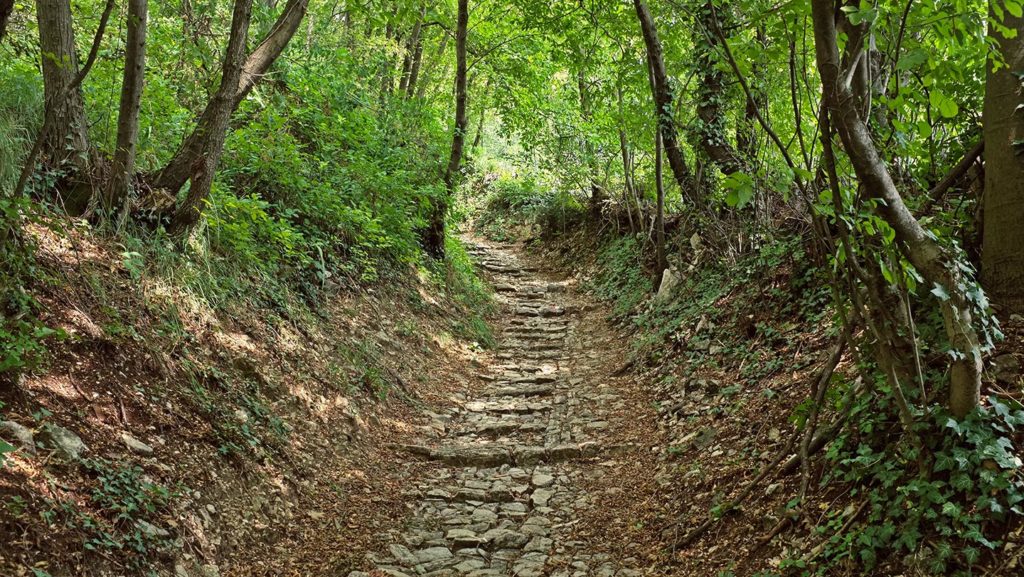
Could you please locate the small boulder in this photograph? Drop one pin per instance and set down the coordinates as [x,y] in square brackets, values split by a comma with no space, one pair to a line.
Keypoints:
[151,530]
[541,480]
[135,445]
[64,442]
[21,434]
[1006,368]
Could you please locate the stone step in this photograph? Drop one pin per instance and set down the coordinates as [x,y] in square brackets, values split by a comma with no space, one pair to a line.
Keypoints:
[495,455]
[545,312]
[523,390]
[506,407]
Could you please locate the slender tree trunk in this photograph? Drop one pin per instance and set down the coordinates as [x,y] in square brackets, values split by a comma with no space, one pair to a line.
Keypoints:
[123,167]
[663,99]
[204,168]
[660,261]
[479,138]
[410,52]
[428,75]
[434,236]
[596,192]
[67,137]
[414,71]
[627,172]
[176,172]
[916,244]
[1002,257]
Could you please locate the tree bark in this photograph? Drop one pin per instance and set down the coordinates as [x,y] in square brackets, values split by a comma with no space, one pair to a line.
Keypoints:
[1002,256]
[916,244]
[596,193]
[627,171]
[6,8]
[663,98]
[434,235]
[66,137]
[204,167]
[414,71]
[428,75]
[660,261]
[410,53]
[123,166]
[176,172]
[712,94]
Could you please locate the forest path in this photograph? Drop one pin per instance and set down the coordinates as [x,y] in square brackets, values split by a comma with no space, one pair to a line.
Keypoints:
[537,455]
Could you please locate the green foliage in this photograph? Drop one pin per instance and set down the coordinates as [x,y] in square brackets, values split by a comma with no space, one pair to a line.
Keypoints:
[622,278]
[22,336]
[126,503]
[241,421]
[936,501]
[21,102]
[468,291]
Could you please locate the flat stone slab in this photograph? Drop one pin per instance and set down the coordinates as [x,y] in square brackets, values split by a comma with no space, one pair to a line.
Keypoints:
[524,391]
[495,455]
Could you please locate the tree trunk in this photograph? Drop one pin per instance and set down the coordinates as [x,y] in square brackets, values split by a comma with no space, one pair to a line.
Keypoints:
[67,137]
[176,172]
[746,128]
[414,71]
[1002,257]
[663,104]
[6,8]
[434,235]
[204,167]
[478,140]
[711,95]
[410,52]
[916,244]
[428,76]
[627,172]
[660,261]
[596,193]
[123,167]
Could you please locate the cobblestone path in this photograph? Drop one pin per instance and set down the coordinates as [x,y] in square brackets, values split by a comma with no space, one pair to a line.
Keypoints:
[507,496]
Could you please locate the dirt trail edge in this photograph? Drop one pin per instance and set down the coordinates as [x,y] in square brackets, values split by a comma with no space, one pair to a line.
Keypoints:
[525,459]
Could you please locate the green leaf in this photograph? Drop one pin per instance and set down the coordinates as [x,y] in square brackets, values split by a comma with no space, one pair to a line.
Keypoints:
[740,187]
[948,108]
[913,59]
[943,295]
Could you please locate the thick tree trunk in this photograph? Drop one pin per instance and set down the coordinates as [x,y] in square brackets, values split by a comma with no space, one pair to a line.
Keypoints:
[1002,256]
[176,172]
[712,94]
[123,167]
[6,8]
[916,244]
[66,137]
[204,167]
[663,104]
[434,235]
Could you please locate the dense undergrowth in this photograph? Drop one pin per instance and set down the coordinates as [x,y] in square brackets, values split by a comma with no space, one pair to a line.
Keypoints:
[251,351]
[943,498]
